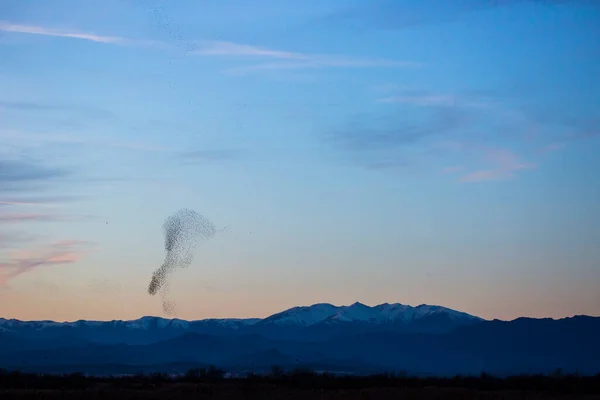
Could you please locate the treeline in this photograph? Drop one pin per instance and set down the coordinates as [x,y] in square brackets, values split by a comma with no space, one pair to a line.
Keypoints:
[307,379]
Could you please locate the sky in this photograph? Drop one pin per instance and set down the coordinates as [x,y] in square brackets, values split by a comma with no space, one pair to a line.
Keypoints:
[411,151]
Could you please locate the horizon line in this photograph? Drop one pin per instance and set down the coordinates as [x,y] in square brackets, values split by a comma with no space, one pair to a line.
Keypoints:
[166,318]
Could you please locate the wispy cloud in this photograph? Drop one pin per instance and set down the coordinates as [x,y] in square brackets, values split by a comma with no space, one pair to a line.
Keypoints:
[21,217]
[489,117]
[71,243]
[18,174]
[36,201]
[390,141]
[6,26]
[11,239]
[324,62]
[504,166]
[38,217]
[23,184]
[223,48]
[39,30]
[24,261]
[368,134]
[557,127]
[447,126]
[427,99]
[282,60]
[287,60]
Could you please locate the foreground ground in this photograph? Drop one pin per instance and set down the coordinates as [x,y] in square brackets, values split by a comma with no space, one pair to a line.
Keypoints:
[267,392]
[305,386]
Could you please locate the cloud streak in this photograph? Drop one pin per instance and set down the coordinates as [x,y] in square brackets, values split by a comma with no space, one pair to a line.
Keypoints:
[19,176]
[443,124]
[473,100]
[436,100]
[223,48]
[387,142]
[505,165]
[22,182]
[21,217]
[360,136]
[6,26]
[12,239]
[284,60]
[35,217]
[25,261]
[36,201]
[18,171]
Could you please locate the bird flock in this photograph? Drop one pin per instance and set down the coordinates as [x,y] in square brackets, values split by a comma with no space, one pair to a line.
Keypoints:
[183,231]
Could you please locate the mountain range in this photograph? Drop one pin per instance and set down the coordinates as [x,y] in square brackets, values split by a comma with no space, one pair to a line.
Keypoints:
[430,340]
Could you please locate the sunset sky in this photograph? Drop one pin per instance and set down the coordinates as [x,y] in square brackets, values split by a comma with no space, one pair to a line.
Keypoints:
[412,151]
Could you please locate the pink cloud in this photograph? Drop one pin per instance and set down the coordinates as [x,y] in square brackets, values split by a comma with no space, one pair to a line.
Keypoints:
[63,258]
[19,217]
[23,203]
[14,268]
[26,260]
[39,217]
[505,164]
[70,243]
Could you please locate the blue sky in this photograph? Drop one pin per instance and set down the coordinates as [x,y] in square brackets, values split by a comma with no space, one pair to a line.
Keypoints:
[439,152]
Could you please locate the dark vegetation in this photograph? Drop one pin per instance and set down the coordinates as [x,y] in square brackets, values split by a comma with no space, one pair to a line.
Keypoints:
[213,383]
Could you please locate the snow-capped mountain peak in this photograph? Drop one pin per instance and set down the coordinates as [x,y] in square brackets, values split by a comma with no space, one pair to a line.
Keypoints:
[360,313]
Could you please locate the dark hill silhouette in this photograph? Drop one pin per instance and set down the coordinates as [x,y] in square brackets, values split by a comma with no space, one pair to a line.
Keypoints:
[524,345]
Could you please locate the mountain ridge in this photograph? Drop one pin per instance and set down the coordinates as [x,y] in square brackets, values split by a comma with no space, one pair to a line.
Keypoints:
[354,337]
[522,346]
[332,308]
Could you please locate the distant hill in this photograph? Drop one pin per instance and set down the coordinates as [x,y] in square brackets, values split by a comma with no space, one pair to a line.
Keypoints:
[420,340]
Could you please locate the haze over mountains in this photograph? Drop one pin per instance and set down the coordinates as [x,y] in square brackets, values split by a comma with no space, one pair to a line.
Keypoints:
[356,338]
